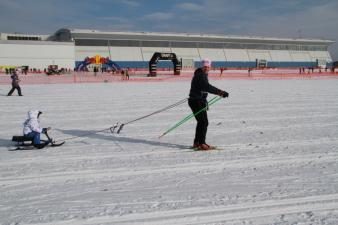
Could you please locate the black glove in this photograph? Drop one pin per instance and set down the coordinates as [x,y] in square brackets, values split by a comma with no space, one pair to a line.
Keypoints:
[224,94]
[44,130]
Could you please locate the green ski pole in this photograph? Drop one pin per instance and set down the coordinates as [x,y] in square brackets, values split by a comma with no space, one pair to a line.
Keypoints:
[192,114]
[185,119]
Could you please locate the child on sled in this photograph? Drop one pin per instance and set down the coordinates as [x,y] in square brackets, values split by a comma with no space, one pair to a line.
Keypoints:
[33,130]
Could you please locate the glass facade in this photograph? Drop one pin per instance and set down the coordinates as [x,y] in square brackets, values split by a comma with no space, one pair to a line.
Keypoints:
[199,44]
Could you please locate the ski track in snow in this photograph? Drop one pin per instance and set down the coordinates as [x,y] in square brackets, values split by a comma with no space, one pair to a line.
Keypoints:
[277,163]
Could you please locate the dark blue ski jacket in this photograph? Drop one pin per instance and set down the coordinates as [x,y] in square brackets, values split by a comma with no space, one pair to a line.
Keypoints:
[200,86]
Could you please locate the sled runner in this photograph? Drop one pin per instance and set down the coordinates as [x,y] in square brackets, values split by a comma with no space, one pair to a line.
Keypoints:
[23,142]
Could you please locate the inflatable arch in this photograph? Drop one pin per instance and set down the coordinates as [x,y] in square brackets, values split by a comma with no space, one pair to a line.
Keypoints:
[164,56]
[106,62]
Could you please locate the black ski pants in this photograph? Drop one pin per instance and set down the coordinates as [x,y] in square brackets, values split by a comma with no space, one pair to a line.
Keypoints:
[17,87]
[202,120]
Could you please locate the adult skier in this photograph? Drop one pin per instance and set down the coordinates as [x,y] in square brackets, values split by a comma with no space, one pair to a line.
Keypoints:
[15,83]
[33,130]
[199,90]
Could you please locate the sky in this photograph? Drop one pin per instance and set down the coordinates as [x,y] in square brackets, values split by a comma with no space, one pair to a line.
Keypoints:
[268,18]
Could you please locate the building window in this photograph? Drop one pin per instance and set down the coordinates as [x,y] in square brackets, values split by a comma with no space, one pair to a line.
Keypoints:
[23,38]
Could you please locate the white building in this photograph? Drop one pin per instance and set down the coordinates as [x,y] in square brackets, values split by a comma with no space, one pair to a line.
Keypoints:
[68,47]
[35,51]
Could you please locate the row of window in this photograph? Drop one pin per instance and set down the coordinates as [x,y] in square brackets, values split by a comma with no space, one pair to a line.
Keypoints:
[23,38]
[183,44]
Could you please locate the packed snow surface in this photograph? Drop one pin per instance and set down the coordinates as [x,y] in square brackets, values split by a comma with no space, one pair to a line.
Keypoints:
[278,162]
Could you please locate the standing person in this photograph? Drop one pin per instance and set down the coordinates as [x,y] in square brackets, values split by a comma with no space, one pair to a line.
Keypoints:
[127,73]
[199,90]
[249,71]
[123,75]
[32,129]
[15,83]
[222,69]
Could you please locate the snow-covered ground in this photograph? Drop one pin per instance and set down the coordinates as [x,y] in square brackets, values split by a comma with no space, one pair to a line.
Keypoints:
[278,163]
